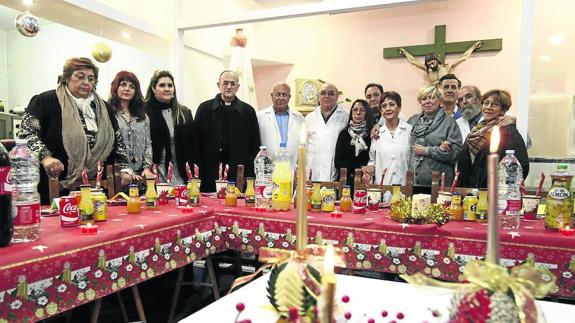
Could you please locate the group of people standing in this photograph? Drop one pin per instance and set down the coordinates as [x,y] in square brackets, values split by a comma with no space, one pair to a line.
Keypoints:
[72,128]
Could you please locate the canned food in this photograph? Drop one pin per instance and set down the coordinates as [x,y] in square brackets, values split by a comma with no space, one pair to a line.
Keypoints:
[100,211]
[328,200]
[181,195]
[373,198]
[469,207]
[444,198]
[359,201]
[69,214]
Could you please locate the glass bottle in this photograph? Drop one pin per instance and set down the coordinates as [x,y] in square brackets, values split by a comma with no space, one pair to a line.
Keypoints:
[455,209]
[345,202]
[134,203]
[559,208]
[231,196]
[194,192]
[151,194]
[481,210]
[396,194]
[86,206]
[250,194]
[316,198]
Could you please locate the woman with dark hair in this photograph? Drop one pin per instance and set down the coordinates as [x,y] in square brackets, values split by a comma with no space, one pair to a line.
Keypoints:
[90,133]
[391,149]
[430,129]
[171,128]
[128,105]
[473,159]
[353,142]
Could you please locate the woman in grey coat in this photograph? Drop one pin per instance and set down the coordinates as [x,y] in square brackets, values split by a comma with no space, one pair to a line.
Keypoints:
[431,128]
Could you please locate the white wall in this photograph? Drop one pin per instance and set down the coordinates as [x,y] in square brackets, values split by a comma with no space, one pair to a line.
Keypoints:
[33,64]
[3,74]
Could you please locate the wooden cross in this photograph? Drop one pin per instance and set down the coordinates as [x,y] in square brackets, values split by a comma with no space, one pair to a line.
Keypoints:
[441,48]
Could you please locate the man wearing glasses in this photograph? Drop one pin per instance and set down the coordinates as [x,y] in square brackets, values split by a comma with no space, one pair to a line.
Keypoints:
[280,124]
[324,124]
[228,133]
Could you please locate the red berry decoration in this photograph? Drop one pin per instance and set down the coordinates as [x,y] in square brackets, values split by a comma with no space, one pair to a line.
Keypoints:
[246,321]
[345,298]
[240,307]
[293,314]
[392,321]
[400,316]
[435,313]
[384,313]
[347,315]
[371,321]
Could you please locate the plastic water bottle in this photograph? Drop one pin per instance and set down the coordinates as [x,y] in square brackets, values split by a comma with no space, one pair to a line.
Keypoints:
[25,197]
[510,175]
[264,167]
[6,229]
[282,179]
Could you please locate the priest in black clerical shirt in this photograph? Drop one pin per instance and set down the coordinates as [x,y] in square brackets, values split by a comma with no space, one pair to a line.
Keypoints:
[228,133]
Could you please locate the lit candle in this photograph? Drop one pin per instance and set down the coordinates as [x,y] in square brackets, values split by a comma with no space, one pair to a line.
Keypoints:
[89,228]
[328,284]
[492,213]
[301,221]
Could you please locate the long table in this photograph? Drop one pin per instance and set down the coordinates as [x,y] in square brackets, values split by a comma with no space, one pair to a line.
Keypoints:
[65,269]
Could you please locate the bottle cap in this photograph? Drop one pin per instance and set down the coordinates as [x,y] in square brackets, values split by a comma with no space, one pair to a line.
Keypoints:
[283,145]
[562,166]
[510,151]
[263,147]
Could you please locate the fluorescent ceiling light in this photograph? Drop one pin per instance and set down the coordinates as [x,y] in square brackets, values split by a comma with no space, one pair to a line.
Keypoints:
[28,2]
[126,35]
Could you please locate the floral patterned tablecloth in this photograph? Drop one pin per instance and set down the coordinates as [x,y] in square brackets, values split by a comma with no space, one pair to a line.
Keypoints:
[65,269]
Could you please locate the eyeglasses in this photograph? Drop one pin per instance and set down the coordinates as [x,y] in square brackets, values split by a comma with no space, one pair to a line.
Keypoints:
[229,83]
[126,84]
[492,104]
[281,95]
[327,93]
[84,78]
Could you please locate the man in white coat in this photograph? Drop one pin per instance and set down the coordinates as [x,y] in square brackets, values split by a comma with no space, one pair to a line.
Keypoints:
[324,124]
[278,123]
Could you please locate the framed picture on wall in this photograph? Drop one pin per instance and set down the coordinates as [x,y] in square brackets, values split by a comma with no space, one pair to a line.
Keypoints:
[306,94]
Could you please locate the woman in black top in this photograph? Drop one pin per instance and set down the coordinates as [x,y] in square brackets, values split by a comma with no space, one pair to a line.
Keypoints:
[353,142]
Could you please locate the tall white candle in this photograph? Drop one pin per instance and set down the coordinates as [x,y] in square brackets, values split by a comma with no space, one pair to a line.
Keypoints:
[492,192]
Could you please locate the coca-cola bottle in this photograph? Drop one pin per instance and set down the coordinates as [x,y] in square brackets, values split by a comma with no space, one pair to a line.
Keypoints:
[6,229]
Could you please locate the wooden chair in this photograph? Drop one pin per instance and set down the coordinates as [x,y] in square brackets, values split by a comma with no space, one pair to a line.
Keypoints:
[111,183]
[8,143]
[406,189]
[337,186]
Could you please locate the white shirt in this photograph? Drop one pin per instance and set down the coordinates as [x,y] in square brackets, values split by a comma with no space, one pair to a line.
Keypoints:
[322,138]
[270,132]
[392,153]
[464,127]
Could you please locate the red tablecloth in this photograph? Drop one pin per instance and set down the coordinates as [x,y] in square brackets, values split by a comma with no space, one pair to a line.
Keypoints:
[65,269]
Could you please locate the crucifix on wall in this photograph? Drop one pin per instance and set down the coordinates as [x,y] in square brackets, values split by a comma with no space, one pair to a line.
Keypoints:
[435,65]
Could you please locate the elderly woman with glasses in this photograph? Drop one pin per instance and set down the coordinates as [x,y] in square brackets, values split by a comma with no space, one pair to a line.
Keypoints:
[171,128]
[90,133]
[430,129]
[473,159]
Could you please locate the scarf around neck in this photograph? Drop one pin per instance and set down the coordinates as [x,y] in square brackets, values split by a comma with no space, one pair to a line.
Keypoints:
[357,132]
[425,125]
[84,104]
[480,134]
[74,137]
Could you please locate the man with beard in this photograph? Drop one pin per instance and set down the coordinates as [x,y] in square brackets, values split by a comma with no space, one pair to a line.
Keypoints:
[434,68]
[449,85]
[469,101]
[373,92]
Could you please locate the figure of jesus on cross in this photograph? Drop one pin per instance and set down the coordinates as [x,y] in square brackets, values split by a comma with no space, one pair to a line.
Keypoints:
[434,68]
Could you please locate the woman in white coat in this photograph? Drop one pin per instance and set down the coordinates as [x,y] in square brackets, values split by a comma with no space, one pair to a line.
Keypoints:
[391,150]
[324,124]
[275,129]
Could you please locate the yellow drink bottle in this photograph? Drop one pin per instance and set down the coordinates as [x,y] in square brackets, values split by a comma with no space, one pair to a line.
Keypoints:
[151,195]
[134,203]
[282,180]
[250,194]
[86,206]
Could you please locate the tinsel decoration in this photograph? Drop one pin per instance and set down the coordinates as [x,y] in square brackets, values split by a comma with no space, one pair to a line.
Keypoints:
[401,212]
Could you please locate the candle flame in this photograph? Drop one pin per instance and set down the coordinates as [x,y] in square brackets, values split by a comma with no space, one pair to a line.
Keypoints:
[89,225]
[303,135]
[494,145]
[328,260]
[567,227]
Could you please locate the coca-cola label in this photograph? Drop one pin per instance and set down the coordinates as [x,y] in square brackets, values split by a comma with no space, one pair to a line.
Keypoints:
[509,207]
[69,213]
[182,196]
[70,208]
[559,193]
[5,180]
[264,191]
[26,214]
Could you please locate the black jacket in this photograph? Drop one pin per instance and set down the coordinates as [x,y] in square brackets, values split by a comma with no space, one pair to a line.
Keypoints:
[233,129]
[475,174]
[185,139]
[345,155]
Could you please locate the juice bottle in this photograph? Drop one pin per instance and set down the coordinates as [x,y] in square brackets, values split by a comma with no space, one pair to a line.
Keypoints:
[194,192]
[455,208]
[396,194]
[151,195]
[231,196]
[86,206]
[316,198]
[481,210]
[282,179]
[134,203]
[250,194]
[345,202]
[559,208]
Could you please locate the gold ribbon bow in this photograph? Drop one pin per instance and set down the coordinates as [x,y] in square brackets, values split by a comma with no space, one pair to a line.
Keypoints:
[526,282]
